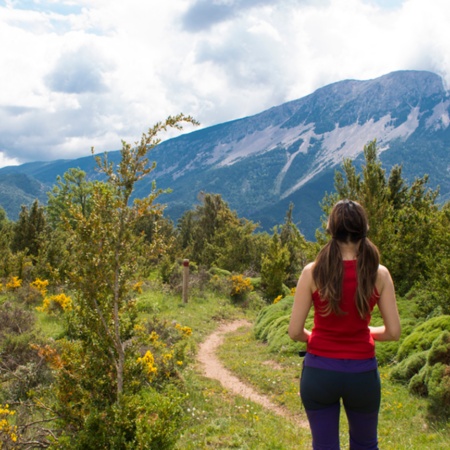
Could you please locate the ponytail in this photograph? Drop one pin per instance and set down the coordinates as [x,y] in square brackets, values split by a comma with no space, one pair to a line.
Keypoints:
[367,267]
[327,275]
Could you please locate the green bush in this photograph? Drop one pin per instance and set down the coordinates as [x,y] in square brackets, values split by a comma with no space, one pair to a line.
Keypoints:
[148,420]
[409,367]
[269,314]
[278,338]
[272,324]
[440,350]
[428,371]
[423,336]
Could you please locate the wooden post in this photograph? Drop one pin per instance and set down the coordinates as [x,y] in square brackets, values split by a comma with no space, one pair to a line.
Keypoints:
[185,280]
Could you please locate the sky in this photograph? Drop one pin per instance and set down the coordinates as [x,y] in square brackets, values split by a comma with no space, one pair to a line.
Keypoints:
[91,73]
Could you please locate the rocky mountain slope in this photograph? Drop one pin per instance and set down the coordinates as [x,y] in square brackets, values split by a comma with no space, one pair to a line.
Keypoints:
[289,153]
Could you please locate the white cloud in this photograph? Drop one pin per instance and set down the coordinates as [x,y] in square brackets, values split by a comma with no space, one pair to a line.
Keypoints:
[98,71]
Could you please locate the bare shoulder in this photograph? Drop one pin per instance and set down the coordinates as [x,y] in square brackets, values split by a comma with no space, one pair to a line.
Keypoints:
[383,278]
[309,267]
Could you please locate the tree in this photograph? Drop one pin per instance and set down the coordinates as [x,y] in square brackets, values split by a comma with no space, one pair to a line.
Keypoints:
[273,267]
[111,372]
[213,234]
[71,189]
[106,250]
[296,245]
[29,230]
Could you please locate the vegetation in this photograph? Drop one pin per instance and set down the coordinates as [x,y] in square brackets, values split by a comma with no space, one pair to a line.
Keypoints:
[96,348]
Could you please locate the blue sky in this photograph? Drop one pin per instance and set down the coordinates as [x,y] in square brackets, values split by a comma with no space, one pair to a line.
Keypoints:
[77,74]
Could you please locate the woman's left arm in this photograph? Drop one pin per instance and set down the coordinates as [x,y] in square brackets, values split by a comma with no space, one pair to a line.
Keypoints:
[302,305]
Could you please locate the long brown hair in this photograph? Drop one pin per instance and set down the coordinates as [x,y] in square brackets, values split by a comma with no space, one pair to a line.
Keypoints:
[347,223]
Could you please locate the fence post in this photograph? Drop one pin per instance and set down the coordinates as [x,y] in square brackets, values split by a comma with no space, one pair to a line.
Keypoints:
[185,280]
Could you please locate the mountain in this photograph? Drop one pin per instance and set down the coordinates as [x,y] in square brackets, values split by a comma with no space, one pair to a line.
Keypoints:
[289,153]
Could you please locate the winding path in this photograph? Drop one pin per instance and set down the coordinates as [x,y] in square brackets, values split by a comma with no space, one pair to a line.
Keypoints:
[213,368]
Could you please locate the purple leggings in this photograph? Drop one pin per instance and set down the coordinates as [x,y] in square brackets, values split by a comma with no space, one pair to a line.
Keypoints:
[322,391]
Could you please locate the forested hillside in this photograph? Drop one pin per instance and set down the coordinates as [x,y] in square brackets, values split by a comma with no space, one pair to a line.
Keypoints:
[89,360]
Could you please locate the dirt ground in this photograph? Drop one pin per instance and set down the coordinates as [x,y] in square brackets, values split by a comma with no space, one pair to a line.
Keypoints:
[213,368]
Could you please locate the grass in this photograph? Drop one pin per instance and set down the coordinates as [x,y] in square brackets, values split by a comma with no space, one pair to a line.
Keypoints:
[217,420]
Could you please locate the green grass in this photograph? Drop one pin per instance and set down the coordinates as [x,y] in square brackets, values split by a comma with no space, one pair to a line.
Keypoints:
[215,419]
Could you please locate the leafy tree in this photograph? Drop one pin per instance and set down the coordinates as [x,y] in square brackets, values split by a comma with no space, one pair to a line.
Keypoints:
[5,243]
[71,189]
[213,234]
[296,245]
[29,230]
[98,364]
[274,268]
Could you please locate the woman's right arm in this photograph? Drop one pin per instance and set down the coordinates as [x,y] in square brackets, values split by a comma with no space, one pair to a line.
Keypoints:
[302,305]
[387,305]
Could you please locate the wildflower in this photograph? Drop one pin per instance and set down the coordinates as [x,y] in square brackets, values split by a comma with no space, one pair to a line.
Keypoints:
[148,363]
[240,286]
[14,283]
[40,285]
[277,299]
[56,303]
[186,331]
[138,287]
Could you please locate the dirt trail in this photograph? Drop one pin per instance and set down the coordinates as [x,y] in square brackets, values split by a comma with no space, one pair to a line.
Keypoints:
[213,368]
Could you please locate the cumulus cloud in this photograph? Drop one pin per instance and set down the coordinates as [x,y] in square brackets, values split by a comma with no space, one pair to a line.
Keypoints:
[78,72]
[93,75]
[203,14]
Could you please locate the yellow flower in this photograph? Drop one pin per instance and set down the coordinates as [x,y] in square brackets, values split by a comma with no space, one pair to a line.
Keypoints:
[14,283]
[40,285]
[277,299]
[186,331]
[56,303]
[138,287]
[148,363]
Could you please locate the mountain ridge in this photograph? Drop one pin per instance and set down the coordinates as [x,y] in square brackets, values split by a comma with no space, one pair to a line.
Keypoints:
[289,153]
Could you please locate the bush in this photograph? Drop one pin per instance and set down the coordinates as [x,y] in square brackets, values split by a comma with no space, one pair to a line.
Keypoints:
[428,371]
[145,421]
[240,287]
[269,314]
[272,324]
[423,336]
[409,367]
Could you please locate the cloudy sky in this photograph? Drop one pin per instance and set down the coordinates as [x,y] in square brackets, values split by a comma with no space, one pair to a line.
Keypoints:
[77,74]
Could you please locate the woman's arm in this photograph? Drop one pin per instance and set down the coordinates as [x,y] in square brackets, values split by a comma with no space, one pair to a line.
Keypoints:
[387,304]
[302,305]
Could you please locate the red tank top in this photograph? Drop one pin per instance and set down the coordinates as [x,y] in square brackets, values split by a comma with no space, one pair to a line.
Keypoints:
[346,336]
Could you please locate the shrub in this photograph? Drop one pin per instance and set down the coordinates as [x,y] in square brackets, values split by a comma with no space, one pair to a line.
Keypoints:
[409,367]
[13,283]
[56,304]
[428,371]
[240,287]
[269,314]
[144,421]
[423,336]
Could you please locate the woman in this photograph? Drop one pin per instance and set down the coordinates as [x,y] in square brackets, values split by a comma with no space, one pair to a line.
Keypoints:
[344,284]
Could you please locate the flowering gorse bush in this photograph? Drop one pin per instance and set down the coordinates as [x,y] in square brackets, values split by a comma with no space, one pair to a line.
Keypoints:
[40,285]
[8,432]
[277,299]
[163,350]
[13,283]
[56,304]
[148,364]
[240,287]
